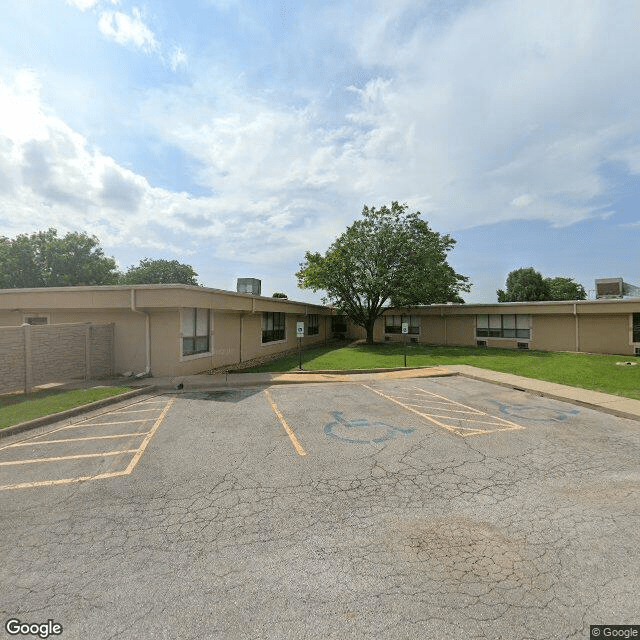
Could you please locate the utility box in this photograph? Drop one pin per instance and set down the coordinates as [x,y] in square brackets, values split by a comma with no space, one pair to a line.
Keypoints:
[249,285]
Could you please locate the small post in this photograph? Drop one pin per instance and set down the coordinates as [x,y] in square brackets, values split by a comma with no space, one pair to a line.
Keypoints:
[300,334]
[405,333]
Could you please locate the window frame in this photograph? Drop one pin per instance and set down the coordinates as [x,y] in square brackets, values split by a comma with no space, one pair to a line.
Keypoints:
[313,324]
[492,325]
[343,327]
[36,316]
[197,334]
[635,328]
[396,327]
[272,316]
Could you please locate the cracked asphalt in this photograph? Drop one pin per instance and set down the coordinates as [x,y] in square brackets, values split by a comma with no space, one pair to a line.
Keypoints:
[422,508]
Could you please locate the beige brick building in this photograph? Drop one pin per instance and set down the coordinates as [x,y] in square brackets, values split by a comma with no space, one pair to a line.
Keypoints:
[174,329]
[182,329]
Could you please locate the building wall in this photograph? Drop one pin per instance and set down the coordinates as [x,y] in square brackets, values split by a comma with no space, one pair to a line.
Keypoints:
[553,333]
[609,334]
[129,334]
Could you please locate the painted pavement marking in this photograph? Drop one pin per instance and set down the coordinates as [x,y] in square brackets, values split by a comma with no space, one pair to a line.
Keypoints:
[148,435]
[500,424]
[290,432]
[33,442]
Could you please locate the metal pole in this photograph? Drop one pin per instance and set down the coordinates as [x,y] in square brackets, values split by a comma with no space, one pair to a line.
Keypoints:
[405,351]
[300,353]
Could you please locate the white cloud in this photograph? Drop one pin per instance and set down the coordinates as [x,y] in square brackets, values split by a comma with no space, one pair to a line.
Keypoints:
[83,5]
[177,58]
[127,29]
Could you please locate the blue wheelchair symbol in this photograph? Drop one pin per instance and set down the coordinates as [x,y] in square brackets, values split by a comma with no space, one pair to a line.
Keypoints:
[535,412]
[362,424]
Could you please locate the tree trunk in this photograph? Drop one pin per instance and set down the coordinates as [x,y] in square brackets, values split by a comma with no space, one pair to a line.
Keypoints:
[369,330]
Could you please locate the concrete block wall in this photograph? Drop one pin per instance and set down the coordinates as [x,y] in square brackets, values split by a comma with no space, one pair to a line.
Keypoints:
[35,355]
[12,360]
[57,353]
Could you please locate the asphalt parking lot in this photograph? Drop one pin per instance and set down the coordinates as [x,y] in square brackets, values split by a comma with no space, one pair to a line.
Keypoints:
[414,508]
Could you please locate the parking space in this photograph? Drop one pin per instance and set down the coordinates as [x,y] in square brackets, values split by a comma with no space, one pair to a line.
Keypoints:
[398,509]
[100,447]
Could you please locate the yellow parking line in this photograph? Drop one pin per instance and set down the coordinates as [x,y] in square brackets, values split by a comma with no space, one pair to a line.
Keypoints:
[80,455]
[102,424]
[146,441]
[290,432]
[50,483]
[133,410]
[427,406]
[32,442]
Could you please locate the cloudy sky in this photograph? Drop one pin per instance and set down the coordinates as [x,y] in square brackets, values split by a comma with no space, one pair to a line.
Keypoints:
[234,135]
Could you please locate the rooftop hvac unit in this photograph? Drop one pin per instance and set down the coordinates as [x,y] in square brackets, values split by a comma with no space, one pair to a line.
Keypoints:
[615,288]
[249,285]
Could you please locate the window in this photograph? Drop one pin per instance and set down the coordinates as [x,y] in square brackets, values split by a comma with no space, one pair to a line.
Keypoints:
[636,327]
[272,326]
[338,324]
[195,331]
[35,320]
[313,326]
[506,325]
[393,324]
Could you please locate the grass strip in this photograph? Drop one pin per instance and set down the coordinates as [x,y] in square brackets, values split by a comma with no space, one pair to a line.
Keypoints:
[17,409]
[583,370]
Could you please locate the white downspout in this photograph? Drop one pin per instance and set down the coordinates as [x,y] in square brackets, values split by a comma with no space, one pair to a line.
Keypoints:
[575,313]
[147,370]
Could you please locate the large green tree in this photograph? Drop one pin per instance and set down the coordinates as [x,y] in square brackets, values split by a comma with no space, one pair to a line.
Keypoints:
[388,259]
[562,288]
[528,285]
[43,259]
[159,272]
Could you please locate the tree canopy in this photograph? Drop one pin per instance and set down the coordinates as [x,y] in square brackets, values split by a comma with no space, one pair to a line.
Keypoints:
[528,285]
[159,272]
[280,294]
[43,259]
[388,259]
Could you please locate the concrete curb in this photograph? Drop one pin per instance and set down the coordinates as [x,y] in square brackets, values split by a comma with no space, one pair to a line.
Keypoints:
[356,371]
[70,413]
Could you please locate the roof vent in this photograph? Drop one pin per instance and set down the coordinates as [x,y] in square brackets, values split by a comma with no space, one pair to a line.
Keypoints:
[249,285]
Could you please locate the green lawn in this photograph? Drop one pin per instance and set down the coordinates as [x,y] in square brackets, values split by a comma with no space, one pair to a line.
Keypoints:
[17,409]
[597,372]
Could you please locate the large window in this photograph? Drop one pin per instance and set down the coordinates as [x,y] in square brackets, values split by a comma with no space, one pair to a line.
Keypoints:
[195,331]
[508,325]
[636,327]
[393,324]
[313,326]
[272,326]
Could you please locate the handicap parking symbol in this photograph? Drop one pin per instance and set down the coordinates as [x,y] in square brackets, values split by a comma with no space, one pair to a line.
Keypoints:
[535,412]
[358,425]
